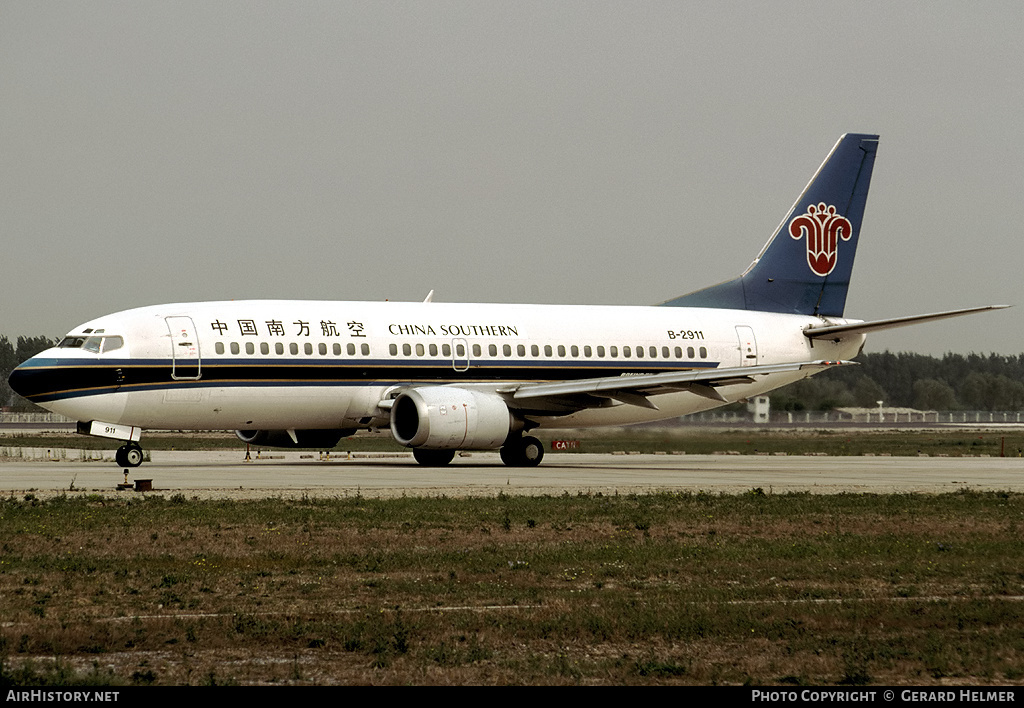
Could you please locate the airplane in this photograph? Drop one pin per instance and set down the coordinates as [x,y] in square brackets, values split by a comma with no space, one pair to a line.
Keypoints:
[446,377]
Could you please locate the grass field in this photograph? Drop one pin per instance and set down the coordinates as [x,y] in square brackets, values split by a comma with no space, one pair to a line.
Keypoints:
[684,589]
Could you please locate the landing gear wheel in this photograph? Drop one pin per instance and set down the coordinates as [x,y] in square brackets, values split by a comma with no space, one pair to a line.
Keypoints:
[524,452]
[433,458]
[531,452]
[129,455]
[508,455]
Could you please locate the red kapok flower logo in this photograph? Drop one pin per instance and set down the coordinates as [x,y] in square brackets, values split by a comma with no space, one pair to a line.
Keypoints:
[823,228]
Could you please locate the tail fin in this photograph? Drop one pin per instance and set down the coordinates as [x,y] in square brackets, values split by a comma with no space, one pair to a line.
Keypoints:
[805,267]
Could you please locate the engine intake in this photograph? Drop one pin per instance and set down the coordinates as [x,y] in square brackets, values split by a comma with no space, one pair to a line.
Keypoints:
[448,418]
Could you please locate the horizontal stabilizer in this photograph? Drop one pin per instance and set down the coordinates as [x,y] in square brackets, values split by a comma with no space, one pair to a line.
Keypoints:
[827,331]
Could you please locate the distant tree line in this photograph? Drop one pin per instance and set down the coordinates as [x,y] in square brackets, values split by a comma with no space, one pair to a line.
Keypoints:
[10,356]
[992,382]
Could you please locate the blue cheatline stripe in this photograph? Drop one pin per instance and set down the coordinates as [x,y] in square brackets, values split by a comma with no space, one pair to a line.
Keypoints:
[52,380]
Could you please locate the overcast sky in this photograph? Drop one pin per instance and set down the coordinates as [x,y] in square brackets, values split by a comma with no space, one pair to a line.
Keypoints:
[555,152]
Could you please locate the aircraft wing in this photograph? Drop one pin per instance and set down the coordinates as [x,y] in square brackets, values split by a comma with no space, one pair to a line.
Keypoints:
[827,331]
[634,390]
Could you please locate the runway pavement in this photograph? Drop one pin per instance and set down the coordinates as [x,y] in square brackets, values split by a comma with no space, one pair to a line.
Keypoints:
[294,474]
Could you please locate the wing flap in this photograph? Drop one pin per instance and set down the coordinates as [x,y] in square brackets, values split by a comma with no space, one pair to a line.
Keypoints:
[634,389]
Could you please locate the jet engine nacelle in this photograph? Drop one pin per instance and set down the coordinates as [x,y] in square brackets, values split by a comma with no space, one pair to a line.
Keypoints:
[448,418]
[315,439]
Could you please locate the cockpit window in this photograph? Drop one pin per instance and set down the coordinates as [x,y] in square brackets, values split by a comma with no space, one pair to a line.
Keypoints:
[92,344]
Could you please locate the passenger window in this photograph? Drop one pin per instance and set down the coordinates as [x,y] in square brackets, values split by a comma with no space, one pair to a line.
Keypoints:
[351,349]
[460,350]
[337,349]
[614,351]
[561,350]
[219,347]
[534,350]
[293,348]
[703,353]
[250,348]
[433,350]
[307,348]
[492,350]
[234,347]
[690,353]
[393,348]
[521,350]
[587,351]
[639,352]
[506,349]
[264,348]
[653,351]
[600,352]
[420,351]
[407,350]
[365,349]
[279,348]
[322,348]
[679,352]
[446,350]
[626,352]
[547,350]
[476,350]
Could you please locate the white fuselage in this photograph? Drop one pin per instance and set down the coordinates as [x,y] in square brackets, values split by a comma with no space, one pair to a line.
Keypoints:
[266,364]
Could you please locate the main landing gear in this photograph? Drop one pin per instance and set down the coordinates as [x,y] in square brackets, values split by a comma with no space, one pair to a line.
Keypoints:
[526,451]
[129,455]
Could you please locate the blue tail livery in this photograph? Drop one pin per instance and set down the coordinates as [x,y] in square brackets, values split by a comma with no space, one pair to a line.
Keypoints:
[805,267]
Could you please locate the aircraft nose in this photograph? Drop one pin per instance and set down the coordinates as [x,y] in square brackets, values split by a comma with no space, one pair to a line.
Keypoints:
[18,380]
[29,380]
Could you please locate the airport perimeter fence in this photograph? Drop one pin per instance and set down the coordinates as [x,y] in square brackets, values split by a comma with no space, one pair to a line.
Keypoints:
[34,419]
[886,416]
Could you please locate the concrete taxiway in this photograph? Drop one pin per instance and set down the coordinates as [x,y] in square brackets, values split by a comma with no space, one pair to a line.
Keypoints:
[293,474]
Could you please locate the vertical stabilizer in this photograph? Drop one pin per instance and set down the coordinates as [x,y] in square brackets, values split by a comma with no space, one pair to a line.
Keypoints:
[805,267]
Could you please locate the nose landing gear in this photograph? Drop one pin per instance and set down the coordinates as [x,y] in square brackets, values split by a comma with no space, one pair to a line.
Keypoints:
[129,455]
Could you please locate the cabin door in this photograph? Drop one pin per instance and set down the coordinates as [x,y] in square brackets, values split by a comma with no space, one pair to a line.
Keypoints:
[185,360]
[748,345]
